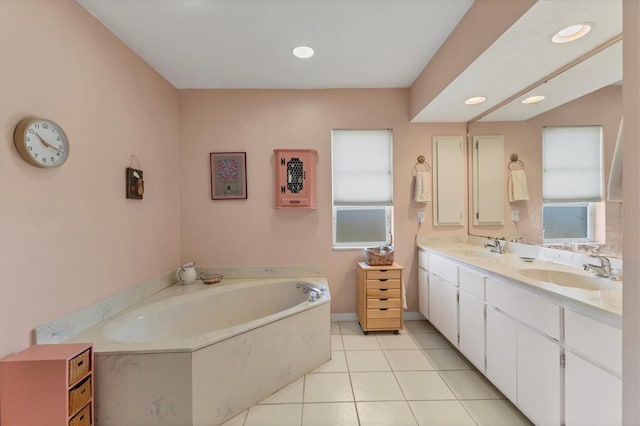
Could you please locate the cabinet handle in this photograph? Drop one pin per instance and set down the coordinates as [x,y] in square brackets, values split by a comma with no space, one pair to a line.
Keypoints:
[80,363]
[383,270]
[383,289]
[383,279]
[385,299]
[383,309]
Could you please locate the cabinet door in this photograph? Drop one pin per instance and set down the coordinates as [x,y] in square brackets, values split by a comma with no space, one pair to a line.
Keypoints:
[538,377]
[501,352]
[423,292]
[488,180]
[592,395]
[295,178]
[472,329]
[443,307]
[448,181]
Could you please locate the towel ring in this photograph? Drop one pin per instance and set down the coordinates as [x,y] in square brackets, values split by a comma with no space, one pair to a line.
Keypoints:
[421,162]
[514,159]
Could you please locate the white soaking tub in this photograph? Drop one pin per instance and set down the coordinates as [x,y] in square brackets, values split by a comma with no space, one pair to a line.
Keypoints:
[199,355]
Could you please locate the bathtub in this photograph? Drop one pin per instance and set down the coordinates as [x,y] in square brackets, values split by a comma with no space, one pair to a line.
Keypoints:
[199,355]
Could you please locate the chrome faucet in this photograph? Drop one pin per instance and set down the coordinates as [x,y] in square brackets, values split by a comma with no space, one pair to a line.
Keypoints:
[496,246]
[602,270]
[314,292]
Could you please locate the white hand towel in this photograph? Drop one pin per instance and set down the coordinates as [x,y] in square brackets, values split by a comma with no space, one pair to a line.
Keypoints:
[517,186]
[422,193]
[404,297]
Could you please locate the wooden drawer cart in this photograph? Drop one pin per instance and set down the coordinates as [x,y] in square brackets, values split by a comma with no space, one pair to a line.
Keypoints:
[48,385]
[380,297]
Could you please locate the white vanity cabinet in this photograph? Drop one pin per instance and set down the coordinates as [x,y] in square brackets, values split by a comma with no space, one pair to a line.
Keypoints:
[471,314]
[592,395]
[536,324]
[557,363]
[593,363]
[443,296]
[501,352]
[443,307]
[538,377]
[423,283]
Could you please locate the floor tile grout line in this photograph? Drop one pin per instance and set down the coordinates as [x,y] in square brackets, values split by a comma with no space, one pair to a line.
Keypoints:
[353,392]
[441,374]
[406,401]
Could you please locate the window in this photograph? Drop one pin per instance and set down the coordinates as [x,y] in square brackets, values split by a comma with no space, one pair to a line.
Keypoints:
[362,180]
[571,182]
[568,222]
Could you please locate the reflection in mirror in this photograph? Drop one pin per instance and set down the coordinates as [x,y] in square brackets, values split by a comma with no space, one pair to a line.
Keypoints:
[614,187]
[595,106]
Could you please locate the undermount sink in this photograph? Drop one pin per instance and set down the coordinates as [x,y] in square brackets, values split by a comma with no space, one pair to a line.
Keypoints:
[473,253]
[569,279]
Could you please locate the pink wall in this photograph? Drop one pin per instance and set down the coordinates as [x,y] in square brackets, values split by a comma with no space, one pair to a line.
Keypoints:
[252,232]
[69,235]
[603,107]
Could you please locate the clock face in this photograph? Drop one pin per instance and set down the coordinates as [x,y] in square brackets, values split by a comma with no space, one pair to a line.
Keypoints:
[41,142]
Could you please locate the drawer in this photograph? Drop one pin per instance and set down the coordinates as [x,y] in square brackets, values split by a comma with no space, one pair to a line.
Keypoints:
[383,303]
[79,395]
[384,323]
[472,282]
[83,418]
[382,293]
[526,307]
[79,366]
[383,284]
[383,313]
[444,269]
[383,274]
[599,341]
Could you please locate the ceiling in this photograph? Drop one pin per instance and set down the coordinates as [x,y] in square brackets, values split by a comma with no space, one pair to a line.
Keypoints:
[238,44]
[234,44]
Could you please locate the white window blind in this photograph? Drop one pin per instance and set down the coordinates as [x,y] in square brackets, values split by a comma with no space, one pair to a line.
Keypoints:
[362,188]
[572,164]
[362,167]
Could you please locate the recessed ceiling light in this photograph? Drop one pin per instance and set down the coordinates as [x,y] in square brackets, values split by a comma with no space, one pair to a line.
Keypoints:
[572,32]
[533,99]
[475,100]
[303,52]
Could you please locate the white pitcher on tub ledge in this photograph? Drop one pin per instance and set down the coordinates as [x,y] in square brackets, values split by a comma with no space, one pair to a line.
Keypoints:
[187,273]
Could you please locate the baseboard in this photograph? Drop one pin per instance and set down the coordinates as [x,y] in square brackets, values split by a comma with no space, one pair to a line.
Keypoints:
[351,316]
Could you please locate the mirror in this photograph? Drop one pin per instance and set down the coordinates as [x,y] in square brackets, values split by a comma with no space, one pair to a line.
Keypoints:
[597,82]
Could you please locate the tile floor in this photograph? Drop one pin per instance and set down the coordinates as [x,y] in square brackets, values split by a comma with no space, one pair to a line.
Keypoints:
[414,378]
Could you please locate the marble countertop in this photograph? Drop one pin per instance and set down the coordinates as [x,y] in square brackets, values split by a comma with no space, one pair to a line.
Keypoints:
[604,304]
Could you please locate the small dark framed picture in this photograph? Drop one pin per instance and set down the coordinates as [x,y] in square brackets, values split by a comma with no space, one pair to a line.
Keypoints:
[228,175]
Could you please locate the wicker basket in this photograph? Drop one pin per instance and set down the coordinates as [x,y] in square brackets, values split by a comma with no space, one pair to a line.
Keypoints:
[377,256]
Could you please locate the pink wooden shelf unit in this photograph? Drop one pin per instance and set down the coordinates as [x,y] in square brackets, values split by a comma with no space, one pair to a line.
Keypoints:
[48,385]
[295,178]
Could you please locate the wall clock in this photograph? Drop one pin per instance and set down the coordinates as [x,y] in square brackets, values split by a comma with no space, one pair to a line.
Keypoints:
[41,142]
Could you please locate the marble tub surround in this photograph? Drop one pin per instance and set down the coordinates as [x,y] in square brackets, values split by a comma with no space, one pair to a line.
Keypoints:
[267,271]
[69,325]
[104,341]
[604,304]
[221,348]
[213,384]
